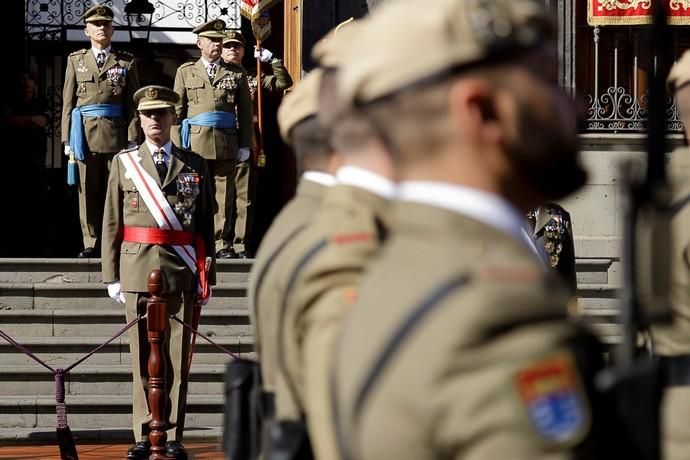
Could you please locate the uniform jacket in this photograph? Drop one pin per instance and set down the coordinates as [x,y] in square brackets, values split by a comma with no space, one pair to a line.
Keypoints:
[553,231]
[264,299]
[229,90]
[320,282]
[115,83]
[445,350]
[132,262]
[276,82]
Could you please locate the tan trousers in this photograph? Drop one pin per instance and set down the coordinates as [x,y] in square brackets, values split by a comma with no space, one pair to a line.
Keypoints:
[244,211]
[223,172]
[93,182]
[177,353]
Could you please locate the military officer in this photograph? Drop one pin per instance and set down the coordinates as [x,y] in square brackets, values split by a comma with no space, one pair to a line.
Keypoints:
[553,233]
[215,110]
[459,344]
[98,118]
[276,82]
[672,343]
[158,215]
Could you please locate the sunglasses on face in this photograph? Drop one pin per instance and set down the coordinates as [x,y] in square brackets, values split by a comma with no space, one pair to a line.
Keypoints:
[157,112]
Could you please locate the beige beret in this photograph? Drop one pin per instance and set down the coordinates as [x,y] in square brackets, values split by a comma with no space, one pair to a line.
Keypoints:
[680,73]
[402,43]
[211,29]
[299,104]
[155,97]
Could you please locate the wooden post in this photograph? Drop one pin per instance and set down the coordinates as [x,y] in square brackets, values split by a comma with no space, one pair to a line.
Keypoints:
[157,323]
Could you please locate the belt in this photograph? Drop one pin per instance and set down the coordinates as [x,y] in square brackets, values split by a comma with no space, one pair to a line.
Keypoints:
[675,370]
[157,236]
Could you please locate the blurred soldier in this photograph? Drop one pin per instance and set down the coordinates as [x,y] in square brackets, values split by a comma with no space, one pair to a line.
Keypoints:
[459,344]
[215,110]
[672,343]
[277,82]
[96,108]
[158,215]
[553,233]
[323,266]
[318,162]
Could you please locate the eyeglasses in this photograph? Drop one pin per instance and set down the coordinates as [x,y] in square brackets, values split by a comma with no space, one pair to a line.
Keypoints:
[156,112]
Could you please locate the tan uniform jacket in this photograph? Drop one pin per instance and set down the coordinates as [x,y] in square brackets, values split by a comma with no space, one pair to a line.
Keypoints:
[264,299]
[131,262]
[456,334]
[115,83]
[197,95]
[276,82]
[327,264]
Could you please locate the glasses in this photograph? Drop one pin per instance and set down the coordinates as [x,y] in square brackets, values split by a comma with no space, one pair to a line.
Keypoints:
[156,112]
[233,45]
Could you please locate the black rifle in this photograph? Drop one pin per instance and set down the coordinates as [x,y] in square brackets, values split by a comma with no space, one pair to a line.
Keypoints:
[633,384]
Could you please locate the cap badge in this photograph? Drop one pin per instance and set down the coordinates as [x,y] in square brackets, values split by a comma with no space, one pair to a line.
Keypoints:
[152,93]
[100,10]
[218,25]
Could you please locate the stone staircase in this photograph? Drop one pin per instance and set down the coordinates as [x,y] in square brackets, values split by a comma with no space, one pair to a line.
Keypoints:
[59,310]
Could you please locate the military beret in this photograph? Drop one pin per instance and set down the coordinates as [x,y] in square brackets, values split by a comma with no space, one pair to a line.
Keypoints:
[211,29]
[680,73]
[299,104]
[98,13]
[396,49]
[234,36]
[155,97]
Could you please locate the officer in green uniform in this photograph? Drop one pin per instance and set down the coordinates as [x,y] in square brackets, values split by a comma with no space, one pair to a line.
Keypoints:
[552,230]
[173,233]
[245,184]
[459,345]
[672,343]
[317,162]
[215,110]
[98,118]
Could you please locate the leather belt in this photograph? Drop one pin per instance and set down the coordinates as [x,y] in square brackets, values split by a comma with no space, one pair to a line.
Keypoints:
[676,370]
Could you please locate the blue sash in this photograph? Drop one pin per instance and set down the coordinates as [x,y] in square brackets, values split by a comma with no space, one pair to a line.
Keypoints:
[213,119]
[77,140]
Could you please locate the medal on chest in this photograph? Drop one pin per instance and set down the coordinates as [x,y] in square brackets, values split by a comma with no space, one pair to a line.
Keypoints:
[187,191]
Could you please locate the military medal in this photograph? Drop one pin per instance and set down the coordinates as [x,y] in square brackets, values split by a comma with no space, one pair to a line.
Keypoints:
[117,78]
[81,67]
[187,191]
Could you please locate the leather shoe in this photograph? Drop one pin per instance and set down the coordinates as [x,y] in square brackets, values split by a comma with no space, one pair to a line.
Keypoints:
[86,253]
[139,451]
[175,449]
[241,255]
[225,254]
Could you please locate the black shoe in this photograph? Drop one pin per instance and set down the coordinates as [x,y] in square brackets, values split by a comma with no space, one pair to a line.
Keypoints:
[241,255]
[225,254]
[175,449]
[139,451]
[86,253]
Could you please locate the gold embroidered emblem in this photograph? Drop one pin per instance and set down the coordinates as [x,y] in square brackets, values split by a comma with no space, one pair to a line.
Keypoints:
[218,25]
[151,93]
[100,10]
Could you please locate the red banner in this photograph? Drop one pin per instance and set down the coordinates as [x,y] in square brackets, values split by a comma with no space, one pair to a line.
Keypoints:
[634,12]
[251,9]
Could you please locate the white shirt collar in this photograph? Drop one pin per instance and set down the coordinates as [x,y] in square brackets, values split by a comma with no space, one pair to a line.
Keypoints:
[95,51]
[207,63]
[485,207]
[367,180]
[167,147]
[322,178]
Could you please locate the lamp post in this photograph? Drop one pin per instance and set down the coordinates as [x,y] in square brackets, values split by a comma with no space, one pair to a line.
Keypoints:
[139,14]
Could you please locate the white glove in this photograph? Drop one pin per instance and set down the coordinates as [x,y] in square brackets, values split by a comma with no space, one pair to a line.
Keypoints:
[262,54]
[210,294]
[115,292]
[68,151]
[243,154]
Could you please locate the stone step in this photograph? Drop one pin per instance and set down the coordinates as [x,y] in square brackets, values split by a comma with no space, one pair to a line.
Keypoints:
[215,322]
[593,271]
[103,435]
[92,379]
[64,351]
[94,295]
[89,270]
[89,412]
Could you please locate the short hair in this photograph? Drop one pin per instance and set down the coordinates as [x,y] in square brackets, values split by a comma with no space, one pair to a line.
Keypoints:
[311,144]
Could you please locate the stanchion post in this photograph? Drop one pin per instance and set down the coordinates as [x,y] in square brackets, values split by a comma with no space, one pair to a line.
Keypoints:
[157,323]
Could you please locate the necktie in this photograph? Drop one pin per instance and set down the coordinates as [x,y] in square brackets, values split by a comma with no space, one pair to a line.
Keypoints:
[100,59]
[211,71]
[161,165]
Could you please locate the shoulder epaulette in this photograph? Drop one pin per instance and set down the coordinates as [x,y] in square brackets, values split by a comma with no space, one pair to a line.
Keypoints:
[187,64]
[81,51]
[125,53]
[131,149]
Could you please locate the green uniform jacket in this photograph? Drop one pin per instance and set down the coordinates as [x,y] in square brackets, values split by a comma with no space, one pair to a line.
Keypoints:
[131,263]
[115,83]
[277,82]
[458,330]
[320,281]
[198,95]
[264,299]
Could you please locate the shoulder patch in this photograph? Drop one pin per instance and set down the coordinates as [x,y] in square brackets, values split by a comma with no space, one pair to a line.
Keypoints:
[552,398]
[81,51]
[349,238]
